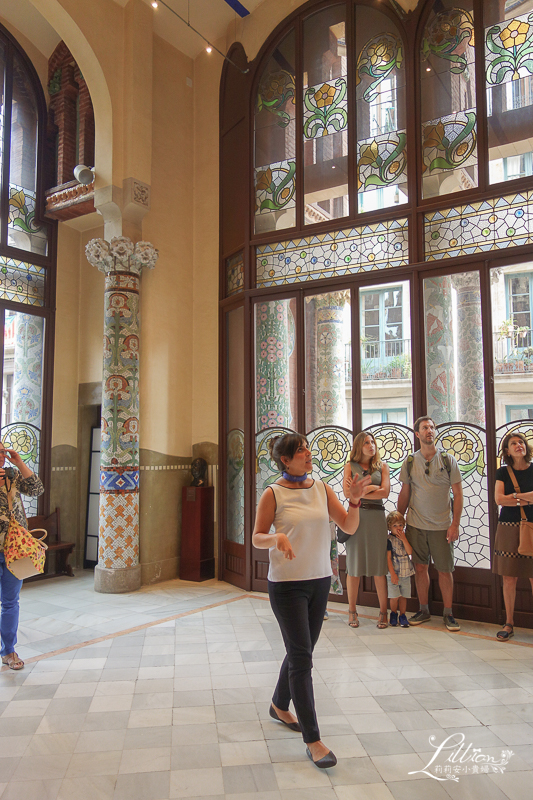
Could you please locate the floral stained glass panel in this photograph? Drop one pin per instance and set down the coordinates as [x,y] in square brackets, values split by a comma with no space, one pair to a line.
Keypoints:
[275,190]
[509,82]
[22,230]
[448,94]
[325,115]
[275,146]
[381,136]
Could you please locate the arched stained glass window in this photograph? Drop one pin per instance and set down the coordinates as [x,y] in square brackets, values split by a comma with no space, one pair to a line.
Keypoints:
[448,100]
[26,260]
[381,113]
[275,141]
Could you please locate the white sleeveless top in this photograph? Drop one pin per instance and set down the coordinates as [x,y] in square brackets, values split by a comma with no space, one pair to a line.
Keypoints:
[302,515]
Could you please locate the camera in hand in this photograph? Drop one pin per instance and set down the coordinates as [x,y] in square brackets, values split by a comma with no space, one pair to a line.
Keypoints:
[9,473]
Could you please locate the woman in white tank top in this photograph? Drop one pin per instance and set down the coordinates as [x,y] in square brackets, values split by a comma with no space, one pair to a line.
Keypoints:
[299,508]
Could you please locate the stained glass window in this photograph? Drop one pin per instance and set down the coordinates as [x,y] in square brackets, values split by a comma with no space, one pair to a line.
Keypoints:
[234,274]
[325,115]
[21,282]
[448,94]
[509,81]
[23,232]
[381,135]
[496,224]
[275,131]
[346,252]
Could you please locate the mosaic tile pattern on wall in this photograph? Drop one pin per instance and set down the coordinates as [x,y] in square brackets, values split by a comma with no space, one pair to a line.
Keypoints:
[330,255]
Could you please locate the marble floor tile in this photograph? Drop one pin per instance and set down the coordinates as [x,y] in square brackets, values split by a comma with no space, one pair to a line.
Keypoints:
[180,708]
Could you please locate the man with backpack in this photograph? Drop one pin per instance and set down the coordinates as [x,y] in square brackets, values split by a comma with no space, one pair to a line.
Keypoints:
[433,517]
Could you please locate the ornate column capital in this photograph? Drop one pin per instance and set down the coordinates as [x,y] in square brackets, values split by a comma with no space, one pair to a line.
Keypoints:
[121,255]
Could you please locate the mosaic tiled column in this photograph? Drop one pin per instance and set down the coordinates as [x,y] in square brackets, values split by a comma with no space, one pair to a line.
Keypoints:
[441,402]
[331,394]
[273,349]
[118,568]
[28,359]
[471,394]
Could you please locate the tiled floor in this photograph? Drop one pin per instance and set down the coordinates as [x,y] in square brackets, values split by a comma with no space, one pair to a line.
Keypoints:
[179,708]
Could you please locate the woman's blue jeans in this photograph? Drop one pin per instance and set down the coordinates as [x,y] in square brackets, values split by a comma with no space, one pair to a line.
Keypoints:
[9,617]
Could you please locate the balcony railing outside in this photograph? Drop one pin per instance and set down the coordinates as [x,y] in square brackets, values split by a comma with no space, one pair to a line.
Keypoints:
[381,360]
[513,354]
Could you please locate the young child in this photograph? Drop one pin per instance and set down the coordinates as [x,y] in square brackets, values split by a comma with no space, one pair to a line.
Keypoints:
[400,568]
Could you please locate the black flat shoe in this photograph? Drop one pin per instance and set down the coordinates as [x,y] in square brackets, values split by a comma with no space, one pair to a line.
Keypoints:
[325,762]
[294,726]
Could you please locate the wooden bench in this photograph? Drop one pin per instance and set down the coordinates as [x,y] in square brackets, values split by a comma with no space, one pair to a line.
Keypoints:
[59,549]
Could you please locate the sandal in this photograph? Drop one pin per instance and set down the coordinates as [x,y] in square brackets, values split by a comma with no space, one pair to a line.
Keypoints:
[383,620]
[12,661]
[353,619]
[503,635]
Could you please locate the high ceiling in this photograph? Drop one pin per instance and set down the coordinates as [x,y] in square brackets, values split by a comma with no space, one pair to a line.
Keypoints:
[210,17]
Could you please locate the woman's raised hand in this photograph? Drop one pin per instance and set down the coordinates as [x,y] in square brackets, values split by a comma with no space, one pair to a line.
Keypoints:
[358,486]
[14,457]
[284,546]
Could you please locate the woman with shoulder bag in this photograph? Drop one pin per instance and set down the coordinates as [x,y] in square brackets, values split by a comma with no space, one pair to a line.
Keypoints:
[366,553]
[17,482]
[299,578]
[516,455]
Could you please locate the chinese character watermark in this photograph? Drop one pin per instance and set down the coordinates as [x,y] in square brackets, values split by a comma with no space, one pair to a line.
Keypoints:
[457,759]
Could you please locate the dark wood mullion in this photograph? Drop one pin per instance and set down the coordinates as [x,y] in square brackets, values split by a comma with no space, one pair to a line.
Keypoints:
[222,426]
[2,328]
[352,111]
[357,399]
[299,126]
[481,98]
[249,438]
[6,150]
[300,423]
[45,466]
[418,361]
[490,415]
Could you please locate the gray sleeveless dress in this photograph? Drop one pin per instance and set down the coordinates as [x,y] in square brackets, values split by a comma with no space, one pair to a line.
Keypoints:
[366,550]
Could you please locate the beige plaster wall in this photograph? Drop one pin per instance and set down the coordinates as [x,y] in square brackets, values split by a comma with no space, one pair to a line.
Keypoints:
[167,291]
[67,325]
[207,73]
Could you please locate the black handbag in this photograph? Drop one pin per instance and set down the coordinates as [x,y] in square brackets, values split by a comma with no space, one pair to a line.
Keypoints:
[342,537]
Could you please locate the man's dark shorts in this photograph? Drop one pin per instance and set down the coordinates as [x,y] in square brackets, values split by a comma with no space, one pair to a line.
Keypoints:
[429,545]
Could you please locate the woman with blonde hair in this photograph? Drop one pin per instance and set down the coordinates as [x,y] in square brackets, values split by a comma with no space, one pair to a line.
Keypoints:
[366,552]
